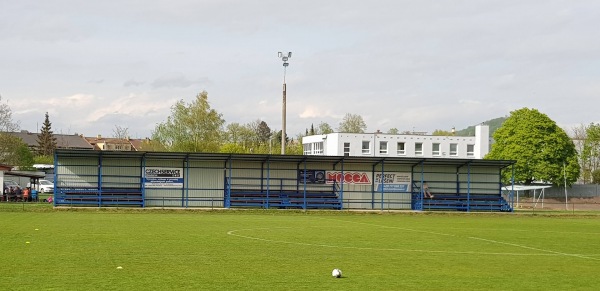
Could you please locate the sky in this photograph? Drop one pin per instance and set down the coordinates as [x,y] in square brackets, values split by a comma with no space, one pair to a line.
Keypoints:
[416,65]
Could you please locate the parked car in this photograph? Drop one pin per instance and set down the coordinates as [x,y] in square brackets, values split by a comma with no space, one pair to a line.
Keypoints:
[44,186]
[11,183]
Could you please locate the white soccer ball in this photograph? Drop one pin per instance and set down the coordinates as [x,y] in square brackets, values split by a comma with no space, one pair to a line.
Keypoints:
[336,273]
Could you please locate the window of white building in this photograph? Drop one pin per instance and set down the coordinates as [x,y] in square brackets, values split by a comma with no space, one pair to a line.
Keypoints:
[318,148]
[366,147]
[401,151]
[346,149]
[435,150]
[470,150]
[418,149]
[453,149]
[383,149]
[307,148]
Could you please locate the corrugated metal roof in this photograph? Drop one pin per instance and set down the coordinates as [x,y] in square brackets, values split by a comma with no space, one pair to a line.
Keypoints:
[289,158]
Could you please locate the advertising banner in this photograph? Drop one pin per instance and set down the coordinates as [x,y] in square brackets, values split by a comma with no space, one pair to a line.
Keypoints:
[159,177]
[349,177]
[311,176]
[393,182]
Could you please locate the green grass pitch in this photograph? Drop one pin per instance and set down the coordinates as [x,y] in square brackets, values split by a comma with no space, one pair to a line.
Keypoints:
[289,250]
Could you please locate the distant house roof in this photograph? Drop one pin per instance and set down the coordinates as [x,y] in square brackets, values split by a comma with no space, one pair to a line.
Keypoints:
[94,141]
[5,167]
[138,143]
[63,141]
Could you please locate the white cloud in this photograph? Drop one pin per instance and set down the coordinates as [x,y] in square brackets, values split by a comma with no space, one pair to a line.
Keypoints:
[403,64]
[73,102]
[132,83]
[177,81]
[311,111]
[133,105]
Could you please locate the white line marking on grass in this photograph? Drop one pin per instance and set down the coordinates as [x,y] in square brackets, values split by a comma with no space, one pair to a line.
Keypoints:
[532,248]
[528,230]
[234,233]
[476,238]
[392,227]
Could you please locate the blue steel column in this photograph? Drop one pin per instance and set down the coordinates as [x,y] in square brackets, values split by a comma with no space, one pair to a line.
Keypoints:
[421,193]
[304,184]
[55,179]
[227,202]
[186,179]
[268,180]
[512,190]
[100,179]
[373,188]
[142,182]
[469,187]
[382,183]
[342,187]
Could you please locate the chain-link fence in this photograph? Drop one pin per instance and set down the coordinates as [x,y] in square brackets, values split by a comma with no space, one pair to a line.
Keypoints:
[568,205]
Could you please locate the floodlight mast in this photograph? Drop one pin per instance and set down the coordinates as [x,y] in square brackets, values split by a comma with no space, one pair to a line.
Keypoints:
[284,57]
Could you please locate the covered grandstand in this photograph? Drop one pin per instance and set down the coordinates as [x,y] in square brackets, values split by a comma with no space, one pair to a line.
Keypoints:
[195,180]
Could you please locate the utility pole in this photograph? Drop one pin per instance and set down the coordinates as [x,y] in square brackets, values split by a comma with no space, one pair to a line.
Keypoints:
[284,57]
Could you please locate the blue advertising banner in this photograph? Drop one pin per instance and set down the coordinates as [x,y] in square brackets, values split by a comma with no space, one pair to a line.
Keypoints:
[393,182]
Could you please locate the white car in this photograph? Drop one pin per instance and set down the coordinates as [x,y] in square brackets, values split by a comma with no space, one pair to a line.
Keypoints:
[44,186]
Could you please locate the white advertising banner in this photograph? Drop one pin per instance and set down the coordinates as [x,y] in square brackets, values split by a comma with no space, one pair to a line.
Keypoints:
[160,177]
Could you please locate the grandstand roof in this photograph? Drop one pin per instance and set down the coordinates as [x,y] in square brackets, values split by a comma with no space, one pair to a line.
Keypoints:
[290,158]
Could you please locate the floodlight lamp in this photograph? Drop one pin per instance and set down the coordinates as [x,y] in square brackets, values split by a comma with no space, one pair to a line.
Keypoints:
[285,59]
[279,54]
[289,54]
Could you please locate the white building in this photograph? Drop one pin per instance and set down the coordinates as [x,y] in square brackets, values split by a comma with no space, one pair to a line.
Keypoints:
[399,145]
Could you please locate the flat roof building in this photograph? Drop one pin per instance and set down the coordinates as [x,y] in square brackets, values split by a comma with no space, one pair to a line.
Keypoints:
[380,144]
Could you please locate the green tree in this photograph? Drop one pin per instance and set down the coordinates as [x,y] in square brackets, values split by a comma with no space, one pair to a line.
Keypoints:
[277,140]
[393,131]
[263,132]
[150,145]
[439,132]
[238,134]
[352,123]
[15,152]
[48,160]
[233,148]
[312,130]
[596,176]
[542,150]
[46,139]
[294,147]
[193,127]
[589,151]
[579,136]
[324,128]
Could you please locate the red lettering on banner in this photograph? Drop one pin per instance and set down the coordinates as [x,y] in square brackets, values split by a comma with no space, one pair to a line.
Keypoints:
[349,177]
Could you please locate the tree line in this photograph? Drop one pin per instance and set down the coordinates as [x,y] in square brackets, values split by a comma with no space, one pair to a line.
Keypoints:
[196,127]
[542,151]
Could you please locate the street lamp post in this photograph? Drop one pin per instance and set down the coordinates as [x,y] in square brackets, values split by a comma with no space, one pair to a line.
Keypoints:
[284,57]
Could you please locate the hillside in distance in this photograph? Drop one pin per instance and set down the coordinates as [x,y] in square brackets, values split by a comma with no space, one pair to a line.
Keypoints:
[494,124]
